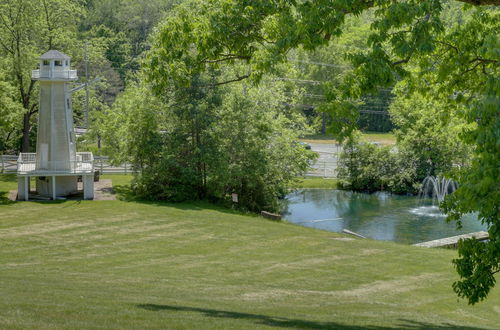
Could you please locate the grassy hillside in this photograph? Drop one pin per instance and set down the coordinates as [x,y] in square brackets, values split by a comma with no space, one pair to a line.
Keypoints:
[117,264]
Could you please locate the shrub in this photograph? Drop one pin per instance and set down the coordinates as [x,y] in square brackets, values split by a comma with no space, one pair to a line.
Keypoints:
[369,167]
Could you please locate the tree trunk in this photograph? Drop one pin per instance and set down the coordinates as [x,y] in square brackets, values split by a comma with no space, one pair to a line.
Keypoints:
[26,132]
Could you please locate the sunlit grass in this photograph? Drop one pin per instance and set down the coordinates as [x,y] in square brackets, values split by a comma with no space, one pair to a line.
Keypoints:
[313,182]
[117,264]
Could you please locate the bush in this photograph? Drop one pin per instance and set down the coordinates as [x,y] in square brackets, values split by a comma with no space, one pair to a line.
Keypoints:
[208,143]
[369,167]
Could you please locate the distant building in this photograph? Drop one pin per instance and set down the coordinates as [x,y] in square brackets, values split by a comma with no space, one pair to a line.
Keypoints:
[56,164]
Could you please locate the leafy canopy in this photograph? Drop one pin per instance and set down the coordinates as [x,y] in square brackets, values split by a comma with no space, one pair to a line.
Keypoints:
[457,59]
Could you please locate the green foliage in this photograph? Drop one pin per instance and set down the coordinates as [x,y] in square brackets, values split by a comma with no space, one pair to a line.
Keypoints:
[27,30]
[258,146]
[208,142]
[410,39]
[428,132]
[11,113]
[369,167]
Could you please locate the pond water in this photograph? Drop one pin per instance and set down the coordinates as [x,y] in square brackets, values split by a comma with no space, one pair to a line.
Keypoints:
[382,216]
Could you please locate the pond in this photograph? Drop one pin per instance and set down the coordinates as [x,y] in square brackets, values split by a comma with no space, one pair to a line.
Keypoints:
[381,216]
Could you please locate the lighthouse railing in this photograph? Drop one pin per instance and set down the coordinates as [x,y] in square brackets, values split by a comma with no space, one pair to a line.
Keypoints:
[84,163]
[62,74]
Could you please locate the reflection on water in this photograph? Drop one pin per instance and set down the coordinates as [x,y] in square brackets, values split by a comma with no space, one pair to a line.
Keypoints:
[379,216]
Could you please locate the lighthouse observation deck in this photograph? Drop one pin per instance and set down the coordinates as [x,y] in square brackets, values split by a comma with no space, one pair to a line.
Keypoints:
[54,74]
[83,164]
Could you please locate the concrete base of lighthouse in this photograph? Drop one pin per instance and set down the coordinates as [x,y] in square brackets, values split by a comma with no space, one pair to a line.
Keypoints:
[54,186]
[63,185]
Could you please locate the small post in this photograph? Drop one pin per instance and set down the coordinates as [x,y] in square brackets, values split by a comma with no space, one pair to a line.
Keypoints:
[26,188]
[3,166]
[53,187]
[125,168]
[101,164]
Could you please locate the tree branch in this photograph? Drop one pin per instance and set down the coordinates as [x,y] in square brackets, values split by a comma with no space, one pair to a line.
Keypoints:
[403,61]
[228,57]
[238,78]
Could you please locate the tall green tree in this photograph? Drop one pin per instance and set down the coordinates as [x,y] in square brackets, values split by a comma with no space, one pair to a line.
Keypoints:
[208,142]
[461,62]
[428,132]
[11,113]
[29,28]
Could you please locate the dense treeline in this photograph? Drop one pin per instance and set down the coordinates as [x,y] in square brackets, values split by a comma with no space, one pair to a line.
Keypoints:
[108,41]
[111,34]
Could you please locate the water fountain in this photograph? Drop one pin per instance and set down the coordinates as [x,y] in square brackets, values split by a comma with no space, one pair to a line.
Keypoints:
[437,188]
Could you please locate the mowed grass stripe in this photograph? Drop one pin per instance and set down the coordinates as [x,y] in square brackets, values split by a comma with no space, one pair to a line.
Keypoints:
[116,264]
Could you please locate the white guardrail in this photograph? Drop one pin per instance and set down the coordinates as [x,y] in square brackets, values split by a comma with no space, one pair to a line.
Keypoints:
[325,166]
[64,74]
[8,164]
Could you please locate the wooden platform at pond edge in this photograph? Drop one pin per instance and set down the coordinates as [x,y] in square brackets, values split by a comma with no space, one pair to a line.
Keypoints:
[452,242]
[103,190]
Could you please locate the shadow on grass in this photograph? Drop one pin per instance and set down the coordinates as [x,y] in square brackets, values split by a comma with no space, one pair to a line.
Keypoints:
[8,178]
[295,323]
[4,200]
[125,193]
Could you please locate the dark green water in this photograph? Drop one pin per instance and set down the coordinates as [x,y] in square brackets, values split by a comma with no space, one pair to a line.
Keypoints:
[379,216]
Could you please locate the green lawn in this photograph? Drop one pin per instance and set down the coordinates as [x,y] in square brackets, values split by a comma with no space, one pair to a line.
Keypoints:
[313,182]
[118,264]
[381,138]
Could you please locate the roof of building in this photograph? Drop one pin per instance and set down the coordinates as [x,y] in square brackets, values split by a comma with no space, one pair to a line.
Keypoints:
[54,55]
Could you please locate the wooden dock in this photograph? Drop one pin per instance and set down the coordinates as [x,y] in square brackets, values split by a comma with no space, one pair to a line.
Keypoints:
[452,242]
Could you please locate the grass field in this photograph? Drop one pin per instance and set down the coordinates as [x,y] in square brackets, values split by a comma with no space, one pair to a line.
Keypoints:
[313,182]
[118,264]
[381,138]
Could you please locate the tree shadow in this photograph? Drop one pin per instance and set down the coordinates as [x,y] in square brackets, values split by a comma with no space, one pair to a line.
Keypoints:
[4,199]
[125,193]
[283,322]
[8,178]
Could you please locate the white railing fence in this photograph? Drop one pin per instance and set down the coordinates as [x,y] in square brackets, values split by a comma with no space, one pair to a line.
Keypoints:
[9,164]
[27,164]
[325,165]
[64,74]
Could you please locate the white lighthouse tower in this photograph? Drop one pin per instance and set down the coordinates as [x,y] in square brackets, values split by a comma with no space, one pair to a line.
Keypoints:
[56,164]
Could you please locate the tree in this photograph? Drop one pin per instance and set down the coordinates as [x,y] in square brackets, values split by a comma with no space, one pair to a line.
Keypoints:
[428,132]
[11,113]
[460,62]
[29,28]
[208,142]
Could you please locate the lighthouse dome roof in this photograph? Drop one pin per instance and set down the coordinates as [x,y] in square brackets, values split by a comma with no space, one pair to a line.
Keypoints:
[54,55]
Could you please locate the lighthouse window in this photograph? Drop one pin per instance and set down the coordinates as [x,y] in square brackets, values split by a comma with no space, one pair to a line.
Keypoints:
[66,63]
[46,62]
[58,63]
